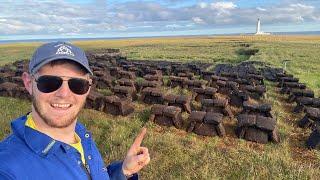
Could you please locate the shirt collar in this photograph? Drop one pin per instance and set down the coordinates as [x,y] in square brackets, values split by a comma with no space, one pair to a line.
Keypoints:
[41,143]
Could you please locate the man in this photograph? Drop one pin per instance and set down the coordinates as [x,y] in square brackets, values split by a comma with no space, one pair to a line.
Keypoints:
[48,142]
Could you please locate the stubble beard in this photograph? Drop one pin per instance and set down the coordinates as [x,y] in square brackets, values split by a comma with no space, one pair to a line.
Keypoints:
[53,122]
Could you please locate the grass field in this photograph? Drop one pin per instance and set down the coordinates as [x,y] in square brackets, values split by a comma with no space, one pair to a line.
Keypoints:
[176,154]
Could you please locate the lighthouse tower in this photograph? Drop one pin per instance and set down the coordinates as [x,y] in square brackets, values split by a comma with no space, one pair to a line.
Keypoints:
[258,29]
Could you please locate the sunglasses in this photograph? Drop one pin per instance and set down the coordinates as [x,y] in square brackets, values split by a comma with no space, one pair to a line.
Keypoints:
[48,84]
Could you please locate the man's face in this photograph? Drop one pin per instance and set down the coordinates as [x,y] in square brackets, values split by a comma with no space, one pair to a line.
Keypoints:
[60,108]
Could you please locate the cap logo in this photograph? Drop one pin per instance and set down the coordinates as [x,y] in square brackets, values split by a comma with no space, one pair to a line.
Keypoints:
[63,49]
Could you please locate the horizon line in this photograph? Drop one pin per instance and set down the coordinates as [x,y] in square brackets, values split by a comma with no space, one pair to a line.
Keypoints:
[5,41]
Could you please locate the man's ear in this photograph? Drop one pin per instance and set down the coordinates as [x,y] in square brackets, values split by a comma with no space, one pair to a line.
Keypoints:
[89,91]
[27,81]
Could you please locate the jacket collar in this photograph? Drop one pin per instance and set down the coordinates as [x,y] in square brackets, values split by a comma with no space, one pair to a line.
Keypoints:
[41,143]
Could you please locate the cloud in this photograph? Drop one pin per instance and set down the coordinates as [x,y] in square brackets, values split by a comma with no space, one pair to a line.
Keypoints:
[261,9]
[228,13]
[198,20]
[203,5]
[223,5]
[173,26]
[50,17]
[148,11]
[60,17]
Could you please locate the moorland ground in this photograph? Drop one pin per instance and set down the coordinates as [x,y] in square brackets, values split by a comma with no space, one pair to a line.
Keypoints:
[176,154]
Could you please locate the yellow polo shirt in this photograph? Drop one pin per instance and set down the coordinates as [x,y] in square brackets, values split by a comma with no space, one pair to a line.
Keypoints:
[78,146]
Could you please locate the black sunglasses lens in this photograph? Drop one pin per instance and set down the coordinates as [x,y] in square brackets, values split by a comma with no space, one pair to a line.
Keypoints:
[78,86]
[47,84]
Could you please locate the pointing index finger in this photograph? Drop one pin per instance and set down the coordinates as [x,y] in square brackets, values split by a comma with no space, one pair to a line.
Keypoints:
[137,142]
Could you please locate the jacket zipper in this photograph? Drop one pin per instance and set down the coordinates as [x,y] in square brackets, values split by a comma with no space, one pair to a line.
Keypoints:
[85,167]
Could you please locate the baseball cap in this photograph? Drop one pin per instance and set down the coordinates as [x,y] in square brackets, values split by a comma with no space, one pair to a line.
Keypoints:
[56,51]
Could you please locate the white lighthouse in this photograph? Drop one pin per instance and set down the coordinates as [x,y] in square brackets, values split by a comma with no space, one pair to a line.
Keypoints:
[258,29]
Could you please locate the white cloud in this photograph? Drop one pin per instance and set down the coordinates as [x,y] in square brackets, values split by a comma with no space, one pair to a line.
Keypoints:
[223,5]
[300,18]
[203,5]
[120,27]
[39,17]
[15,26]
[261,9]
[126,16]
[173,26]
[70,34]
[301,6]
[146,26]
[198,20]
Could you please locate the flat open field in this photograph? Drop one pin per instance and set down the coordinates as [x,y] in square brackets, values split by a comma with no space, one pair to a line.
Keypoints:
[176,154]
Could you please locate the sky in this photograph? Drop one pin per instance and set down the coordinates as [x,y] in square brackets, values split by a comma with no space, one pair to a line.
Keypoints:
[43,19]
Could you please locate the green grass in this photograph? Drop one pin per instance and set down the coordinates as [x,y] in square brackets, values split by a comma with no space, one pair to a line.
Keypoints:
[304,60]
[176,154]
[14,52]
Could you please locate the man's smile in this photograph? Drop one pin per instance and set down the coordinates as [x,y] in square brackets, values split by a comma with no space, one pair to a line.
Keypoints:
[60,105]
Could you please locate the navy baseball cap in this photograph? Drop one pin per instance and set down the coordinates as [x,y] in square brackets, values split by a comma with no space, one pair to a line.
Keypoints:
[56,51]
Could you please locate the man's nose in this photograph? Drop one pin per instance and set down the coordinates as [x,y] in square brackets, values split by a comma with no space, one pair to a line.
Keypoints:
[64,90]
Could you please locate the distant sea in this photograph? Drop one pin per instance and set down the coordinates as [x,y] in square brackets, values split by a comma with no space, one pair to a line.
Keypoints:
[107,38]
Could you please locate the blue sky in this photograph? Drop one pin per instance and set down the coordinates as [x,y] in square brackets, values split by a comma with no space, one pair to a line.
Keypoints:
[36,19]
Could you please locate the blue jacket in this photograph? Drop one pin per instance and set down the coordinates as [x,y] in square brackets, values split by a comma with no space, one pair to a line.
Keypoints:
[30,155]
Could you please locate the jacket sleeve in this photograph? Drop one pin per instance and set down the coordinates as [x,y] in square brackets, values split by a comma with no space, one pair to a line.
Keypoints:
[115,172]
[5,176]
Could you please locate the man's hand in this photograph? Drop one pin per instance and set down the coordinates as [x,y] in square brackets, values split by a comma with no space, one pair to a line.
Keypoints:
[137,156]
